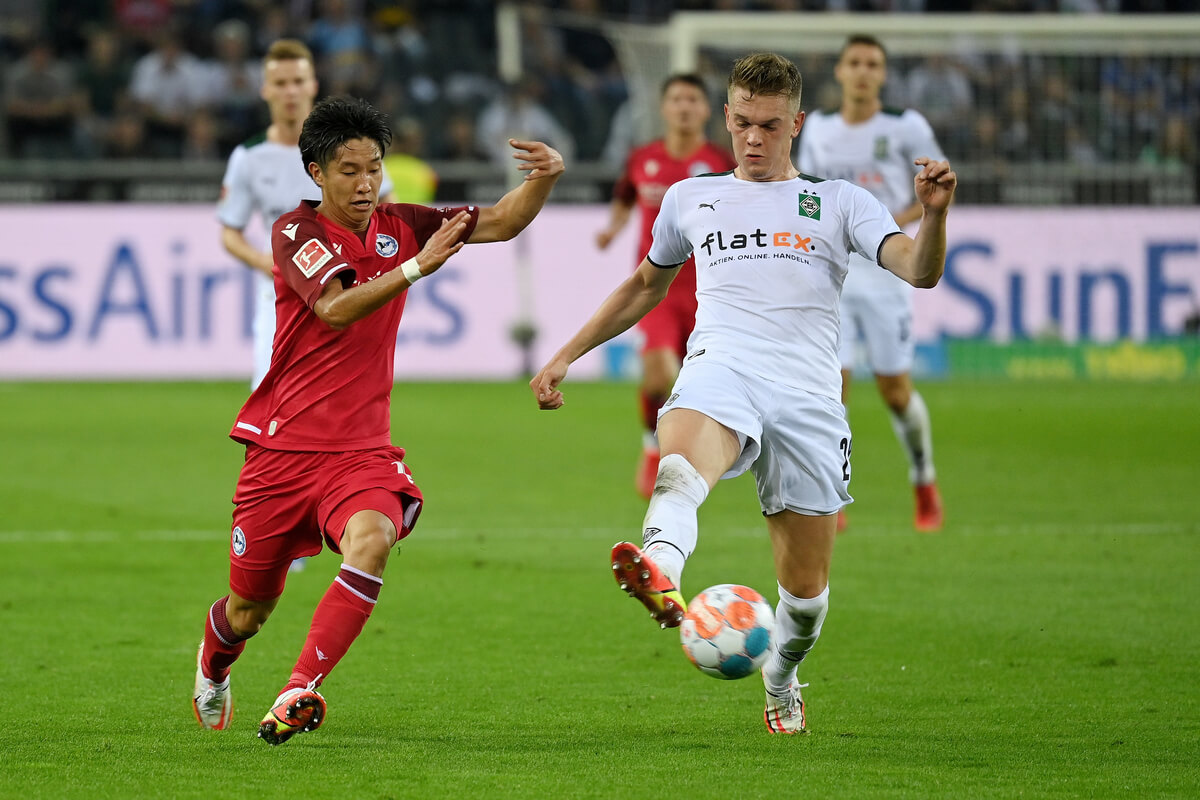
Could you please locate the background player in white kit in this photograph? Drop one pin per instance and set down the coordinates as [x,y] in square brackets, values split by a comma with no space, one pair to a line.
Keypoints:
[760,387]
[870,145]
[267,175]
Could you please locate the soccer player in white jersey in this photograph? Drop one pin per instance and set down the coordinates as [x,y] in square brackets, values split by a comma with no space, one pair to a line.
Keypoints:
[870,145]
[266,175]
[760,388]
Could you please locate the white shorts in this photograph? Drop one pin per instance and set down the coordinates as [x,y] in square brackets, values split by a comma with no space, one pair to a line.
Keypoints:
[882,320]
[264,326]
[797,443]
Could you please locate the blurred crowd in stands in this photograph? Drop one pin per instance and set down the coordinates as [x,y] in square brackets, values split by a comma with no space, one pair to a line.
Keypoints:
[119,79]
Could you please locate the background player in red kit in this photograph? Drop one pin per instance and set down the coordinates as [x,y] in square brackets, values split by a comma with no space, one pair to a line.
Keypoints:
[320,465]
[683,152]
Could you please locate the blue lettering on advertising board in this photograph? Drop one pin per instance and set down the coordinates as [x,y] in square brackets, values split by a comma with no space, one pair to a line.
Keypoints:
[124,263]
[1105,292]
[41,293]
[430,314]
[1157,289]
[954,281]
[45,305]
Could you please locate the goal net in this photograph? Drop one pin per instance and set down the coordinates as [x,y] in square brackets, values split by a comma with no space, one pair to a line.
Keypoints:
[1038,109]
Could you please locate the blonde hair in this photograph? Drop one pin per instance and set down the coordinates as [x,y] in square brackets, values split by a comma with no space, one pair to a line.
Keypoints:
[767,74]
[288,50]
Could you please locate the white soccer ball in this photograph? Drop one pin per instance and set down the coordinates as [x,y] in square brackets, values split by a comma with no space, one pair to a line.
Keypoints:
[727,631]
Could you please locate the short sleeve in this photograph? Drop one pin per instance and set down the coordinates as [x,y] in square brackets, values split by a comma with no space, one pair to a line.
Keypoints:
[670,247]
[868,222]
[237,201]
[920,139]
[304,256]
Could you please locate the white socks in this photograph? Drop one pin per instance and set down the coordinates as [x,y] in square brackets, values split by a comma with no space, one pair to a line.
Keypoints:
[916,437]
[669,529]
[797,626]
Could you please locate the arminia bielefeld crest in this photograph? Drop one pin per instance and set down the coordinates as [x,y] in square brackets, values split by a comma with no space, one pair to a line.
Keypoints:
[810,206]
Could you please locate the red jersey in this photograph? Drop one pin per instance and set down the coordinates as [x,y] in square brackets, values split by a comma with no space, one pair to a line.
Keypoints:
[650,170]
[330,390]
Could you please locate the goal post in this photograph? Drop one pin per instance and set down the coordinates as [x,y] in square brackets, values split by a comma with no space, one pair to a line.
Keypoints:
[1064,109]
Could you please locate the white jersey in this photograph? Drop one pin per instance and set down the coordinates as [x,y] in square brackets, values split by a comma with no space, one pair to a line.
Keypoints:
[270,179]
[770,261]
[877,155]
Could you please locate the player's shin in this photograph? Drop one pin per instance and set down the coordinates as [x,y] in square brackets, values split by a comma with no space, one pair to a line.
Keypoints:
[337,622]
[650,405]
[222,645]
[915,433]
[798,623]
[669,530]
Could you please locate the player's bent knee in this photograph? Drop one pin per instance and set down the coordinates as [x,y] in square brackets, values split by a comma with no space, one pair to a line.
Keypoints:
[896,394]
[368,540]
[247,617]
[677,475]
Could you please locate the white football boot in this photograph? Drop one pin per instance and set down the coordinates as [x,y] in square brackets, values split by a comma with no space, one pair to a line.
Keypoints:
[212,701]
[785,713]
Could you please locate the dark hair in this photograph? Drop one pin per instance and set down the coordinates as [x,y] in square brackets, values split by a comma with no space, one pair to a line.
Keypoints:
[689,78]
[862,38]
[335,121]
[767,74]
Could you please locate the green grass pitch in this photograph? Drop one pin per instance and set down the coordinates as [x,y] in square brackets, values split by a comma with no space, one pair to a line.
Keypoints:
[1045,644]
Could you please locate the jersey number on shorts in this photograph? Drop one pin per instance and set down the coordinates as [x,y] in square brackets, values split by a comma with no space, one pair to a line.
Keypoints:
[845,446]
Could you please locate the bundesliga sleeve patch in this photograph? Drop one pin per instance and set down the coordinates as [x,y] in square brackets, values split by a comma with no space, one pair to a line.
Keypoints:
[311,256]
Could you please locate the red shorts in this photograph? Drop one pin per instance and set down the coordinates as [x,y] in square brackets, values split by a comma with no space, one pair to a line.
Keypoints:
[670,323]
[287,503]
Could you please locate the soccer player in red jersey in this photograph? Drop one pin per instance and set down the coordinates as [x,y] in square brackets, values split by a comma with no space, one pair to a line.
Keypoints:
[320,466]
[683,152]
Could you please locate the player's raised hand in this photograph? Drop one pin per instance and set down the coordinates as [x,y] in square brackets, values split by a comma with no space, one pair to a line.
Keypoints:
[538,160]
[934,184]
[444,243]
[545,384]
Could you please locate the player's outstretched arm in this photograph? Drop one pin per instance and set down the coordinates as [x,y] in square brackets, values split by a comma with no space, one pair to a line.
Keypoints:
[235,243]
[631,301]
[920,260]
[542,165]
[618,214]
[339,306]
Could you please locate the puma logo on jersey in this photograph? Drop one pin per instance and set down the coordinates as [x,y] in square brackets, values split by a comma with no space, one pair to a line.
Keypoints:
[290,230]
[710,206]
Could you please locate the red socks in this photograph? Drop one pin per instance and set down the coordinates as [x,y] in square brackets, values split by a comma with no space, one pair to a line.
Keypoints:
[221,645]
[650,407]
[336,623]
